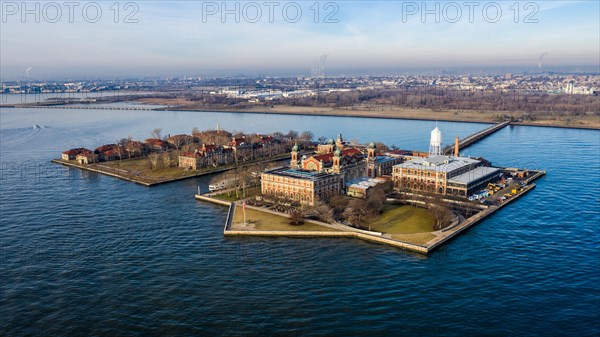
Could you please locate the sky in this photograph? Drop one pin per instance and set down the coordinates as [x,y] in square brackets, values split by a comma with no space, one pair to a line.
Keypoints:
[98,39]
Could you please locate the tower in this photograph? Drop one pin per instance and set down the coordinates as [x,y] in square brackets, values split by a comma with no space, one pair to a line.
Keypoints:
[456,147]
[371,159]
[435,142]
[371,152]
[339,142]
[337,158]
[294,162]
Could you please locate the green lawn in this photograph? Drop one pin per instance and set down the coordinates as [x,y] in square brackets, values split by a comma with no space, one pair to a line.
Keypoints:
[270,222]
[230,196]
[403,219]
[418,238]
[141,167]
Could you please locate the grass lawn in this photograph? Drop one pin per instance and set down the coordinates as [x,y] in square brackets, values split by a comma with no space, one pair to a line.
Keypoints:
[404,219]
[418,238]
[230,196]
[270,222]
[141,168]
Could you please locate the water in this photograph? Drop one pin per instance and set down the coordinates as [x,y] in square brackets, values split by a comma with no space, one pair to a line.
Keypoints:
[83,253]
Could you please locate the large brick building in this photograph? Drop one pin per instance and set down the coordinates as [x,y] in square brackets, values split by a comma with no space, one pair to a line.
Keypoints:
[444,175]
[334,158]
[302,186]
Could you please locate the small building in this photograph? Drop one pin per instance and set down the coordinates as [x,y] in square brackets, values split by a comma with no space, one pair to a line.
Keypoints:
[361,188]
[87,157]
[191,160]
[135,149]
[109,152]
[72,153]
[209,155]
[156,145]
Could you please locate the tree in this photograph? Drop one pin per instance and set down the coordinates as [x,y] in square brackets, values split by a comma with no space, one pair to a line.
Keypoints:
[154,159]
[322,140]
[277,135]
[376,200]
[296,217]
[292,134]
[324,212]
[443,215]
[307,136]
[356,211]
[125,144]
[156,133]
[119,149]
[338,203]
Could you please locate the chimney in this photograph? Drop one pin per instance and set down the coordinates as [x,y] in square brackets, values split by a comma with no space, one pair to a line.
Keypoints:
[456,147]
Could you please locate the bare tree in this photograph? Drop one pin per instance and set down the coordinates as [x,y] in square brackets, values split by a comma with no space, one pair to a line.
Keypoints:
[440,211]
[296,217]
[154,159]
[307,136]
[324,212]
[338,205]
[118,149]
[156,133]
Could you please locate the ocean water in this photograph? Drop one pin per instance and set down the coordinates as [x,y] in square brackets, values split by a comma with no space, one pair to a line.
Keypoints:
[86,254]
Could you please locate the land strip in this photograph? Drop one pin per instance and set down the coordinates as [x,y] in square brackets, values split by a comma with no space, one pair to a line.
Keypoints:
[149,177]
[423,243]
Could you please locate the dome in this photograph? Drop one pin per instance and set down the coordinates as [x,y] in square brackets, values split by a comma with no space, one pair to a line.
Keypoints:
[330,141]
[295,148]
[372,145]
[337,153]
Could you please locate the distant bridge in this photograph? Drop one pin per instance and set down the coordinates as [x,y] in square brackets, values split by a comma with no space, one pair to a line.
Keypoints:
[90,107]
[474,138]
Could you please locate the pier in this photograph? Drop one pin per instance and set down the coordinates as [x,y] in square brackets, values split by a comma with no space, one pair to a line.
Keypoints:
[474,138]
[89,107]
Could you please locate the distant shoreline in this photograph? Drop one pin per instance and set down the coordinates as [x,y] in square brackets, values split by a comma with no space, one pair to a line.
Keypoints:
[358,115]
[401,114]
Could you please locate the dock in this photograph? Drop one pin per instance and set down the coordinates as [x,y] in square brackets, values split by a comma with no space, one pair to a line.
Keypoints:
[474,138]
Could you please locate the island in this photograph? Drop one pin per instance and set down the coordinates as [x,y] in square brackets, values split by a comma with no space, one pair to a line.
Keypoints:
[292,185]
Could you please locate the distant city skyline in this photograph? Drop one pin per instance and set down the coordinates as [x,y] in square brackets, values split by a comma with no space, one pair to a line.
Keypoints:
[381,37]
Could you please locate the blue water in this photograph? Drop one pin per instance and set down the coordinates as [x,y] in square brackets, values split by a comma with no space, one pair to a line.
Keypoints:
[86,254]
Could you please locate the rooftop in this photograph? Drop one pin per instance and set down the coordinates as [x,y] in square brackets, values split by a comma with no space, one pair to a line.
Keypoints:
[474,174]
[438,163]
[364,182]
[299,174]
[385,159]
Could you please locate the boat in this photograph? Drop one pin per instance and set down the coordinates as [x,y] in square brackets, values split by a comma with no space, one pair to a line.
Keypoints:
[223,184]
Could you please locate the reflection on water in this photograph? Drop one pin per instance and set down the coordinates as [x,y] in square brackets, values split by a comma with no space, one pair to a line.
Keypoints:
[82,253]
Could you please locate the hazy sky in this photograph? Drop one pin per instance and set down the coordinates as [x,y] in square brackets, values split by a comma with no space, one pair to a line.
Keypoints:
[192,38]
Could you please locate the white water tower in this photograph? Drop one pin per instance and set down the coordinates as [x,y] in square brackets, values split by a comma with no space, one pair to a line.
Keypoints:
[435,143]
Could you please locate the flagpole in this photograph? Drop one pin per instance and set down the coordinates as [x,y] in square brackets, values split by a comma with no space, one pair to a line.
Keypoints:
[244,208]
